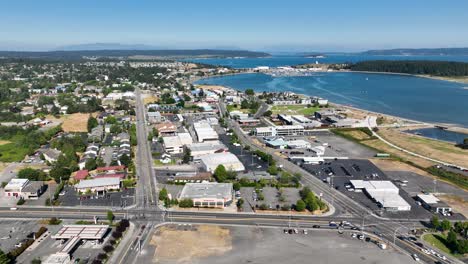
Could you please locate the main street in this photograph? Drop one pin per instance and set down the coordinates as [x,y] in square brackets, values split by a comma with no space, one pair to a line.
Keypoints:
[146,186]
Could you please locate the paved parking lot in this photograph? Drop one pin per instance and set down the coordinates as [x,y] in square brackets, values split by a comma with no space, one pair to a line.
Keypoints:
[339,173]
[271,197]
[251,162]
[114,199]
[341,146]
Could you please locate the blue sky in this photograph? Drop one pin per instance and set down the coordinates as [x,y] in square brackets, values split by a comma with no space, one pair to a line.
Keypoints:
[256,24]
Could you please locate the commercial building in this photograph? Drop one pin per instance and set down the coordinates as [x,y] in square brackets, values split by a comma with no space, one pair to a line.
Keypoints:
[432,203]
[384,193]
[204,131]
[208,194]
[294,130]
[299,144]
[24,188]
[166,128]
[175,144]
[99,185]
[154,117]
[230,161]
[249,122]
[276,143]
[199,149]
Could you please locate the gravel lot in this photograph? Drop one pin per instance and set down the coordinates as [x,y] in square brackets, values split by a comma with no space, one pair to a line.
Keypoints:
[270,245]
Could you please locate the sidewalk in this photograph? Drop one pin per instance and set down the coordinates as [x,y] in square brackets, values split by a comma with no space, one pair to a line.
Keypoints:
[124,244]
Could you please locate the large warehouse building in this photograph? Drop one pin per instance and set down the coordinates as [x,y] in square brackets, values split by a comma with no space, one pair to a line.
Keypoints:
[384,193]
[210,194]
[229,160]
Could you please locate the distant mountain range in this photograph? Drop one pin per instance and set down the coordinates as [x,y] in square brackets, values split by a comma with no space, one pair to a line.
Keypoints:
[422,52]
[73,55]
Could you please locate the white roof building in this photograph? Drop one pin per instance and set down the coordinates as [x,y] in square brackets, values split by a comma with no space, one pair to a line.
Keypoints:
[385,193]
[98,185]
[229,160]
[204,131]
[299,144]
[210,194]
[199,149]
[175,144]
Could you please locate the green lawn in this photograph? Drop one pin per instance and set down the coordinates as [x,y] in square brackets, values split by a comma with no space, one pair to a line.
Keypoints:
[11,152]
[294,109]
[231,108]
[438,241]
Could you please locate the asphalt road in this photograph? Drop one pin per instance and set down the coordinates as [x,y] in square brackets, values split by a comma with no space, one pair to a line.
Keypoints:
[146,188]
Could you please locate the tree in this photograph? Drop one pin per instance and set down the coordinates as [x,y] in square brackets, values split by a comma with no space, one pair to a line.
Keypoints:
[445,225]
[186,203]
[125,160]
[163,194]
[452,239]
[220,173]
[300,206]
[187,155]
[435,222]
[110,216]
[34,261]
[236,186]
[90,164]
[92,123]
[249,92]
[4,259]
[32,174]
[108,248]
[240,202]
[267,113]
[273,170]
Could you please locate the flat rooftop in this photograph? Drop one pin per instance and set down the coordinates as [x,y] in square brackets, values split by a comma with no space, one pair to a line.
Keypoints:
[207,190]
[82,231]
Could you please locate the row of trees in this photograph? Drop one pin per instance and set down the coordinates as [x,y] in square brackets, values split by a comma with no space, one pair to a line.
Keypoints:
[437,68]
[309,201]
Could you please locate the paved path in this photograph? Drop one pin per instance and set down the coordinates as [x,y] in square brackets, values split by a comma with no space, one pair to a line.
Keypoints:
[404,150]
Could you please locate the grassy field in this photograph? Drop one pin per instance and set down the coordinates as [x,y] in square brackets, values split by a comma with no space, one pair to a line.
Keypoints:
[294,109]
[438,241]
[431,148]
[231,108]
[11,152]
[77,122]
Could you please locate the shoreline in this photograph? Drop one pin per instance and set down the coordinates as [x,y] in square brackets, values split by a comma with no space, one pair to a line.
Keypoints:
[450,127]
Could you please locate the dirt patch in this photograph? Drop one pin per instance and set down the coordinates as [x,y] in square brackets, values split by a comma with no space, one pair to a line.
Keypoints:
[456,202]
[427,147]
[77,122]
[182,245]
[393,165]
[4,142]
[150,99]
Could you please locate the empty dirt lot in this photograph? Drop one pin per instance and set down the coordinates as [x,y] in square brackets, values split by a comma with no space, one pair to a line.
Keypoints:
[223,245]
